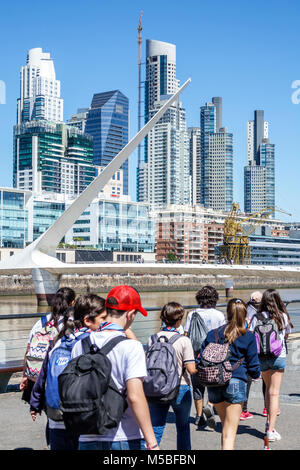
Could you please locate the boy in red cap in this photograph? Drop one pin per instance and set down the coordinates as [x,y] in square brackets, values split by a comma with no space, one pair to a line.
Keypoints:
[135,430]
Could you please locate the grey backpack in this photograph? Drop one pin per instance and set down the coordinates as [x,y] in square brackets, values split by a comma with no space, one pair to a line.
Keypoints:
[162,382]
[197,332]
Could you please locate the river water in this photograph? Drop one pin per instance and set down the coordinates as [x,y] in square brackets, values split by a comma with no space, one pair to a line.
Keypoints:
[14,333]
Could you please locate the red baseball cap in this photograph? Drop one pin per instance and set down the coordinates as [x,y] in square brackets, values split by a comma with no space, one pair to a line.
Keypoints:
[128,299]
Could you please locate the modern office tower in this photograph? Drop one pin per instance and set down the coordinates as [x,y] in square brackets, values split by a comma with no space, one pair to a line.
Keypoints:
[166,175]
[52,157]
[195,164]
[163,176]
[216,188]
[220,180]
[78,119]
[39,90]
[257,130]
[259,174]
[218,102]
[108,123]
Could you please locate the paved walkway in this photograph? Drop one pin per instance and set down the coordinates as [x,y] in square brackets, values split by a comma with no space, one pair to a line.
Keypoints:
[18,431]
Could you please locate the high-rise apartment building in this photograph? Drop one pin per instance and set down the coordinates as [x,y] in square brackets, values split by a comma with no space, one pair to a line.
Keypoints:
[195,164]
[108,122]
[259,174]
[52,157]
[39,90]
[164,175]
[160,72]
[215,174]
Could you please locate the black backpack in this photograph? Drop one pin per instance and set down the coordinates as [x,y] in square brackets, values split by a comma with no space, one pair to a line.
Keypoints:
[90,401]
[197,332]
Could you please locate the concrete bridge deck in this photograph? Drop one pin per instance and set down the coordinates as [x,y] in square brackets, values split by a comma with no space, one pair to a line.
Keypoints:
[18,431]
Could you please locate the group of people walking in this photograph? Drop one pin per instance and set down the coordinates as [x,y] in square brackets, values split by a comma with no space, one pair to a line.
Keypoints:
[149,387]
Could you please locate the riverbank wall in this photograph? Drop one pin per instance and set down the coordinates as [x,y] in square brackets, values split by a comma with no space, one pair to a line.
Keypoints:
[23,285]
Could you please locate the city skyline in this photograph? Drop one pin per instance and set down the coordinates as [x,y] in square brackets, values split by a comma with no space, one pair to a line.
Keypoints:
[243,91]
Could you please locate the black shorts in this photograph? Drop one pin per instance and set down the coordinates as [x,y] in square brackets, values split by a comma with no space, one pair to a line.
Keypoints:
[198,388]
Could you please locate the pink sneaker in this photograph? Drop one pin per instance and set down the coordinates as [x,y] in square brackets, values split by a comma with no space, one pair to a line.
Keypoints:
[265,413]
[245,415]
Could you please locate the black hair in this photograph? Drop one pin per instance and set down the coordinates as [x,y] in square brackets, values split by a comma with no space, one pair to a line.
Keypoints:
[68,324]
[61,302]
[207,297]
[171,313]
[90,305]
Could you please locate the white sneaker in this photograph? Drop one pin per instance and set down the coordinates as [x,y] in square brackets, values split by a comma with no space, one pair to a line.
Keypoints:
[273,435]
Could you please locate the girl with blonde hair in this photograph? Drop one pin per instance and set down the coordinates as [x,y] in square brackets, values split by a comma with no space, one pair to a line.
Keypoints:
[228,399]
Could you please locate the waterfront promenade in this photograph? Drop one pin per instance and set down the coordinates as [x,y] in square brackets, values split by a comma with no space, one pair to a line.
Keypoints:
[18,431]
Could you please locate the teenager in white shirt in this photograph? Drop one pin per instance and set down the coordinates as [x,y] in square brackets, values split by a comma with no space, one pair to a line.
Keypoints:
[135,431]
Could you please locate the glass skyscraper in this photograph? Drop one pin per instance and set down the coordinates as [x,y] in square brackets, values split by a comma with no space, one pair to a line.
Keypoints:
[108,123]
[259,174]
[216,155]
[52,157]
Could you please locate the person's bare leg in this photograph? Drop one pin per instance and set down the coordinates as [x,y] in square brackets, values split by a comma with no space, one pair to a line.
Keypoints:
[231,417]
[274,390]
[199,407]
[221,410]
[266,375]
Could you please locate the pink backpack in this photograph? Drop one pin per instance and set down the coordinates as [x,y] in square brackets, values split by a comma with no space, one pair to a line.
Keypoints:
[214,367]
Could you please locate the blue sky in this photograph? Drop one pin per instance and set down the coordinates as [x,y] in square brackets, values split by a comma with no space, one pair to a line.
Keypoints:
[245,51]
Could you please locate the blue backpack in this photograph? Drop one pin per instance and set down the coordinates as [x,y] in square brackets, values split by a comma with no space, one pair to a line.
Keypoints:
[59,358]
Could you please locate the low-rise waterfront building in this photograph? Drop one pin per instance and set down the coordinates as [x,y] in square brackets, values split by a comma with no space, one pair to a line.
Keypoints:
[110,223]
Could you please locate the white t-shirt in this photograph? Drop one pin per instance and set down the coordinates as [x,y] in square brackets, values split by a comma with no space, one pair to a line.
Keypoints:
[212,318]
[286,330]
[128,362]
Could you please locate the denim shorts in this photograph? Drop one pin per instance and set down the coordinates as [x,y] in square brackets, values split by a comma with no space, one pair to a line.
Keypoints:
[234,392]
[273,363]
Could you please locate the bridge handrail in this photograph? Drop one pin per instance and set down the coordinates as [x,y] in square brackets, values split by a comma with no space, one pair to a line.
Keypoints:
[17,316]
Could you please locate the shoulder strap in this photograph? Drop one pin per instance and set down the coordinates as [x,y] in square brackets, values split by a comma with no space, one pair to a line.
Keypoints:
[216,332]
[238,363]
[154,338]
[112,343]
[86,344]
[261,317]
[216,335]
[174,338]
[44,321]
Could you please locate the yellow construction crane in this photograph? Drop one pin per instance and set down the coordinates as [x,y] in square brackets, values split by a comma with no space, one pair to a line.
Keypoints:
[236,248]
